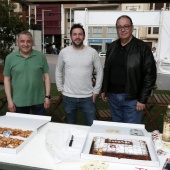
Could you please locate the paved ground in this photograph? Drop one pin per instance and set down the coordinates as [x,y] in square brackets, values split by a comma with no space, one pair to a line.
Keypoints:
[163,80]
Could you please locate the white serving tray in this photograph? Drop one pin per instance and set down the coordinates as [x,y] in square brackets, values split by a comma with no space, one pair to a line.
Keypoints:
[23,122]
[100,128]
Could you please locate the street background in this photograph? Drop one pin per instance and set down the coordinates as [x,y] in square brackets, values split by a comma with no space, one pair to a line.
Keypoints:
[163,80]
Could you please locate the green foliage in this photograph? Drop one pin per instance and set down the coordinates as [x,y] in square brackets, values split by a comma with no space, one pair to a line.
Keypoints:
[10,25]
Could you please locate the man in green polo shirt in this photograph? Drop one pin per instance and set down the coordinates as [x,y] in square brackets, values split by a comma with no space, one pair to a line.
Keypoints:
[27,71]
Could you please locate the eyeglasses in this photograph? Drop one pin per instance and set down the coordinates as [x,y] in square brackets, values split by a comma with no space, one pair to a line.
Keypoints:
[126,27]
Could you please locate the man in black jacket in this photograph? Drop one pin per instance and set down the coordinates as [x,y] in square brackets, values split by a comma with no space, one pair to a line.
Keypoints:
[129,74]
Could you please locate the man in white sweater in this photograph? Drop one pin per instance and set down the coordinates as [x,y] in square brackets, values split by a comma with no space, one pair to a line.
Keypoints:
[74,77]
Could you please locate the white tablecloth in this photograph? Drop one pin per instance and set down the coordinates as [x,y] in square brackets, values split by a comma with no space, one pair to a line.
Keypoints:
[35,154]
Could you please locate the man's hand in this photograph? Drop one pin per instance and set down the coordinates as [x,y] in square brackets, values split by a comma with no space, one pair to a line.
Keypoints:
[94,97]
[46,103]
[11,106]
[140,106]
[104,97]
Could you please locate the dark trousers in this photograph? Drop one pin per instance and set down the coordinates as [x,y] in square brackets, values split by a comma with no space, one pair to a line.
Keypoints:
[86,105]
[35,109]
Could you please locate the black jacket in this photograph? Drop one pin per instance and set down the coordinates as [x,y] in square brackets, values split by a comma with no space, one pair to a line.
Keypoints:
[140,69]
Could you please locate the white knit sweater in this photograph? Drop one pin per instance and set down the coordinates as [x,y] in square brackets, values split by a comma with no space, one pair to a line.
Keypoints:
[74,72]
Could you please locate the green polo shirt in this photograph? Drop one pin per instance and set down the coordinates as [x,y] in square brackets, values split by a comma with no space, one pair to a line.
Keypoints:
[27,77]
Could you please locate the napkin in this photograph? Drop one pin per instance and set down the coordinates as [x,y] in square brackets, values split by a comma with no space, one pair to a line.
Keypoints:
[78,139]
[57,144]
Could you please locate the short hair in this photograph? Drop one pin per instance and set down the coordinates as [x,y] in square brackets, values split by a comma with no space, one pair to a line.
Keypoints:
[77,26]
[124,16]
[25,32]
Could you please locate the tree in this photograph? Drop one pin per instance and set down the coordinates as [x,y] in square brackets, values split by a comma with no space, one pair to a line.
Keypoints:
[10,25]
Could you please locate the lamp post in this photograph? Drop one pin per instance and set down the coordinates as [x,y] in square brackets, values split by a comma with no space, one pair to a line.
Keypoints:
[43,26]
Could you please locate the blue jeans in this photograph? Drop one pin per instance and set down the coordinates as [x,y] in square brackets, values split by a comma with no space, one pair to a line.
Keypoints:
[86,106]
[35,109]
[124,110]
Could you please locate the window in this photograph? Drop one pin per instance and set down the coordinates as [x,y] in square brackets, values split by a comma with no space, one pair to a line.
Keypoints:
[68,32]
[132,8]
[134,32]
[97,32]
[72,20]
[167,6]
[155,30]
[159,6]
[88,31]
[111,32]
[151,6]
[72,17]
[51,14]
[46,14]
[149,30]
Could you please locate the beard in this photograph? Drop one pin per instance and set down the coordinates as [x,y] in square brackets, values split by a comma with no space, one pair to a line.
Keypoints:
[77,45]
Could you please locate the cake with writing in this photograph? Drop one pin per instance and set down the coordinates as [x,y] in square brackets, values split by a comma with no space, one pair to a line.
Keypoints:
[120,148]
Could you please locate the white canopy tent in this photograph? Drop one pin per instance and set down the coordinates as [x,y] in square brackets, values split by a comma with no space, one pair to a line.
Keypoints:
[139,18]
[164,43]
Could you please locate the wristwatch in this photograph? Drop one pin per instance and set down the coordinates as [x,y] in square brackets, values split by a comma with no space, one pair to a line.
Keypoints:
[49,97]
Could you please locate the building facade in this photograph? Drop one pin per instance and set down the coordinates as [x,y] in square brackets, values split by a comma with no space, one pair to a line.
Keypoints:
[51,24]
[99,37]
[58,19]
[45,18]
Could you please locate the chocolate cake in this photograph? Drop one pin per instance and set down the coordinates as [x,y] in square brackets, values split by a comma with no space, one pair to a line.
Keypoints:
[128,149]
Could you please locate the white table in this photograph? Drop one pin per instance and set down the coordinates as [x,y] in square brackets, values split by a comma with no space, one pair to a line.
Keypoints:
[35,155]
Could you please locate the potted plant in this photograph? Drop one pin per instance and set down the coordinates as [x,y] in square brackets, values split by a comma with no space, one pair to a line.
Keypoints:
[10,25]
